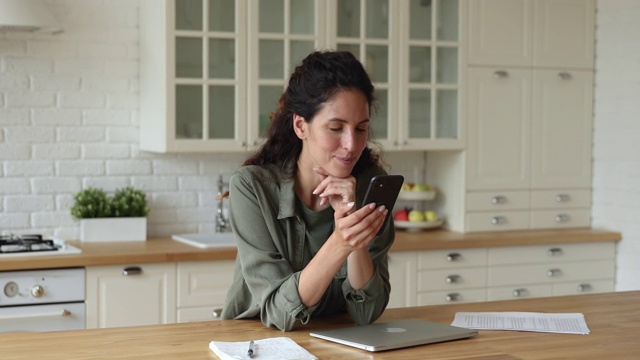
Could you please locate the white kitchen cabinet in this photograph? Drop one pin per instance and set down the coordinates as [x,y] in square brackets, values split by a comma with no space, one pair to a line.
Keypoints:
[544,270]
[530,114]
[202,288]
[212,71]
[430,277]
[402,276]
[542,33]
[121,295]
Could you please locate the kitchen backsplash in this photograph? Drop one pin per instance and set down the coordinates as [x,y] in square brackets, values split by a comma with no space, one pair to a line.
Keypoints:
[69,120]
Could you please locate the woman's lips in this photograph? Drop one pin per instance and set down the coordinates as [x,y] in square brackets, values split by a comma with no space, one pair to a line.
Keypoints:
[345,160]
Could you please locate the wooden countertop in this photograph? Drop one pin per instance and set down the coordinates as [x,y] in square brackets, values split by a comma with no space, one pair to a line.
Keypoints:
[166,250]
[613,318]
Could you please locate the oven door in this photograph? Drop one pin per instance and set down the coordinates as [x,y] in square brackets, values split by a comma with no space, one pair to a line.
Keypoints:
[51,317]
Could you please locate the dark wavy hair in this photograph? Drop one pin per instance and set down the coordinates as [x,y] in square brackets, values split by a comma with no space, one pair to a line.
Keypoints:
[315,82]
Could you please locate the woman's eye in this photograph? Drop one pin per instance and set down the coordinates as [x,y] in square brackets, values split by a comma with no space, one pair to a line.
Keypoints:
[362,129]
[335,129]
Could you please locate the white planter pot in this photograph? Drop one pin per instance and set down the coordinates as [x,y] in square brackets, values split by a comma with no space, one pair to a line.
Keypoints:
[113,229]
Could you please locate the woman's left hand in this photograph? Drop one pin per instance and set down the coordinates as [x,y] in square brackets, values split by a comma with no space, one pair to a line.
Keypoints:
[335,190]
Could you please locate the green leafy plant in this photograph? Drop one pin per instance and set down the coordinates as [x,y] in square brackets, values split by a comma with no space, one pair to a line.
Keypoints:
[95,203]
[129,202]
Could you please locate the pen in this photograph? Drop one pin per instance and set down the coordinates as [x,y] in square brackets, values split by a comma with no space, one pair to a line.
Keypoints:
[250,351]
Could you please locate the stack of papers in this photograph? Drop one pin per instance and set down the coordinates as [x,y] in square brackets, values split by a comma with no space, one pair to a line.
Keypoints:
[264,349]
[565,323]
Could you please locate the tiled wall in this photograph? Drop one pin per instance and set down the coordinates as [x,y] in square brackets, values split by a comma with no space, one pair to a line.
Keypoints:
[69,120]
[616,175]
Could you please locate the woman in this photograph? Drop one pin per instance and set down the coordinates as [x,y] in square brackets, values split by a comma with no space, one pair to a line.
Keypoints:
[304,247]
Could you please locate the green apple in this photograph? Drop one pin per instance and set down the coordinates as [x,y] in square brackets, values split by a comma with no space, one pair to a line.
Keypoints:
[416,216]
[406,187]
[421,187]
[430,216]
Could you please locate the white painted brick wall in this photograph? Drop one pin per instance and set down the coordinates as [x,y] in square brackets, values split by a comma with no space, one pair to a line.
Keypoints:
[616,164]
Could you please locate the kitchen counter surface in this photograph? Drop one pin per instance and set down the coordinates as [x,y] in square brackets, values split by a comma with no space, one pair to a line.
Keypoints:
[613,318]
[157,250]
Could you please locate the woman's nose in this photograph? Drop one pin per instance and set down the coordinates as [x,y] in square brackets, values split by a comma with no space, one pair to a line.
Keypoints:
[349,140]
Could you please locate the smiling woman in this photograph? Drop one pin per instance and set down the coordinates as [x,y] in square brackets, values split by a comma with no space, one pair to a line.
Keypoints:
[304,249]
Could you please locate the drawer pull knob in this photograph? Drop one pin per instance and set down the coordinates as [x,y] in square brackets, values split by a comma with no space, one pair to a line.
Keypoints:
[216,313]
[562,218]
[562,198]
[454,257]
[497,220]
[132,270]
[520,293]
[453,279]
[498,199]
[555,252]
[584,288]
[564,76]
[554,273]
[500,74]
[452,297]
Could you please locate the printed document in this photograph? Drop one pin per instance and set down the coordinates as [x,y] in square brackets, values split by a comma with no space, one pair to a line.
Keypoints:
[565,323]
[278,348]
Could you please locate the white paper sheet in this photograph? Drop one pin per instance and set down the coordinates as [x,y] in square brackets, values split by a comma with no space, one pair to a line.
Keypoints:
[565,323]
[278,348]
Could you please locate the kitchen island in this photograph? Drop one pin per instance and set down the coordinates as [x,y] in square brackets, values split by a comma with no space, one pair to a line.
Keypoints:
[613,318]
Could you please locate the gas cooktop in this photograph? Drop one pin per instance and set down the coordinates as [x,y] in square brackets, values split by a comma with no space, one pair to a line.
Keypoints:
[29,245]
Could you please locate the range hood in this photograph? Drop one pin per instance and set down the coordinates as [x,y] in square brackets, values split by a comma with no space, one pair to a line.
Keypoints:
[27,16]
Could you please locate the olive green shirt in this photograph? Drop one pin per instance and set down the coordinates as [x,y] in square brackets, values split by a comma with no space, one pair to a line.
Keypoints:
[275,243]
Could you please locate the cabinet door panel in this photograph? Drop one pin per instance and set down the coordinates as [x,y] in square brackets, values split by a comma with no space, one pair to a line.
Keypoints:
[560,218]
[549,273]
[500,32]
[497,221]
[448,297]
[494,201]
[452,279]
[499,128]
[560,199]
[402,276]
[564,33]
[550,254]
[451,259]
[204,283]
[584,287]
[518,292]
[561,129]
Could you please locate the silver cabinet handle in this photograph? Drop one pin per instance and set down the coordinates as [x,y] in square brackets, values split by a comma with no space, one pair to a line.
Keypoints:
[453,279]
[496,220]
[564,76]
[554,252]
[500,74]
[554,273]
[498,199]
[584,288]
[132,270]
[520,293]
[216,313]
[451,297]
[453,257]
[562,198]
[562,218]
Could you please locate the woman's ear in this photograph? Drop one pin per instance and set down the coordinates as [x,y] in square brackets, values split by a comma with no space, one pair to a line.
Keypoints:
[299,126]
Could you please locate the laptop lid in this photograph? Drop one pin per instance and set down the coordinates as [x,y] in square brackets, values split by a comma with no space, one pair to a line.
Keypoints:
[394,334]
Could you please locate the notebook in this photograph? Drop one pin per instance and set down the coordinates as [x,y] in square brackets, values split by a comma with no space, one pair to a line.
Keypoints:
[394,334]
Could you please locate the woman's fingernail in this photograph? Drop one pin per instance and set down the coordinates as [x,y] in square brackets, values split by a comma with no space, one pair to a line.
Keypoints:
[381,208]
[372,206]
[350,204]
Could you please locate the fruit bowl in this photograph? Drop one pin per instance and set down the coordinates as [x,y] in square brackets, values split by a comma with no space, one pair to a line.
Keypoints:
[417,195]
[415,226]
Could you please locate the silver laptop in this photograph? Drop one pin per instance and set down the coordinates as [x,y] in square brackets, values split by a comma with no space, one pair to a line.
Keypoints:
[394,334]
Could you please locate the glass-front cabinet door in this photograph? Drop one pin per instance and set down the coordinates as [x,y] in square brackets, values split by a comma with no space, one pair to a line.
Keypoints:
[281,34]
[366,28]
[429,85]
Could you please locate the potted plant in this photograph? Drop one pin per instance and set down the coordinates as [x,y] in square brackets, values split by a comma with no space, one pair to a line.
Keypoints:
[121,217]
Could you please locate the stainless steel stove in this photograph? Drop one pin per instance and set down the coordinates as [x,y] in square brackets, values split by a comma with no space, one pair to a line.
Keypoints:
[33,245]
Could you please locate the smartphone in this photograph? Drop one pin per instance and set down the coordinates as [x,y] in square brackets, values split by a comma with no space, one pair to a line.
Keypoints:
[383,190]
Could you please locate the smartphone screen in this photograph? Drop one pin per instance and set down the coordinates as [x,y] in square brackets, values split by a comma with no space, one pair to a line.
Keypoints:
[383,190]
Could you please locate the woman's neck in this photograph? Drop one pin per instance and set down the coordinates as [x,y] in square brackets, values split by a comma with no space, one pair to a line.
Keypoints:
[306,181]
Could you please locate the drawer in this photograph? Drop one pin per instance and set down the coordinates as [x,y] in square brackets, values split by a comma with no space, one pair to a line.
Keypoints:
[204,283]
[452,279]
[451,259]
[497,221]
[497,200]
[518,292]
[560,199]
[584,287]
[547,273]
[560,218]
[550,254]
[448,297]
[202,313]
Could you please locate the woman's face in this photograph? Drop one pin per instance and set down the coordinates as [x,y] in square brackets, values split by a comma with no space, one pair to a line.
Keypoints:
[336,136]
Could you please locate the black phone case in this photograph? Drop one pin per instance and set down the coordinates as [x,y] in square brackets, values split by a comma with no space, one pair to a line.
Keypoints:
[384,190]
